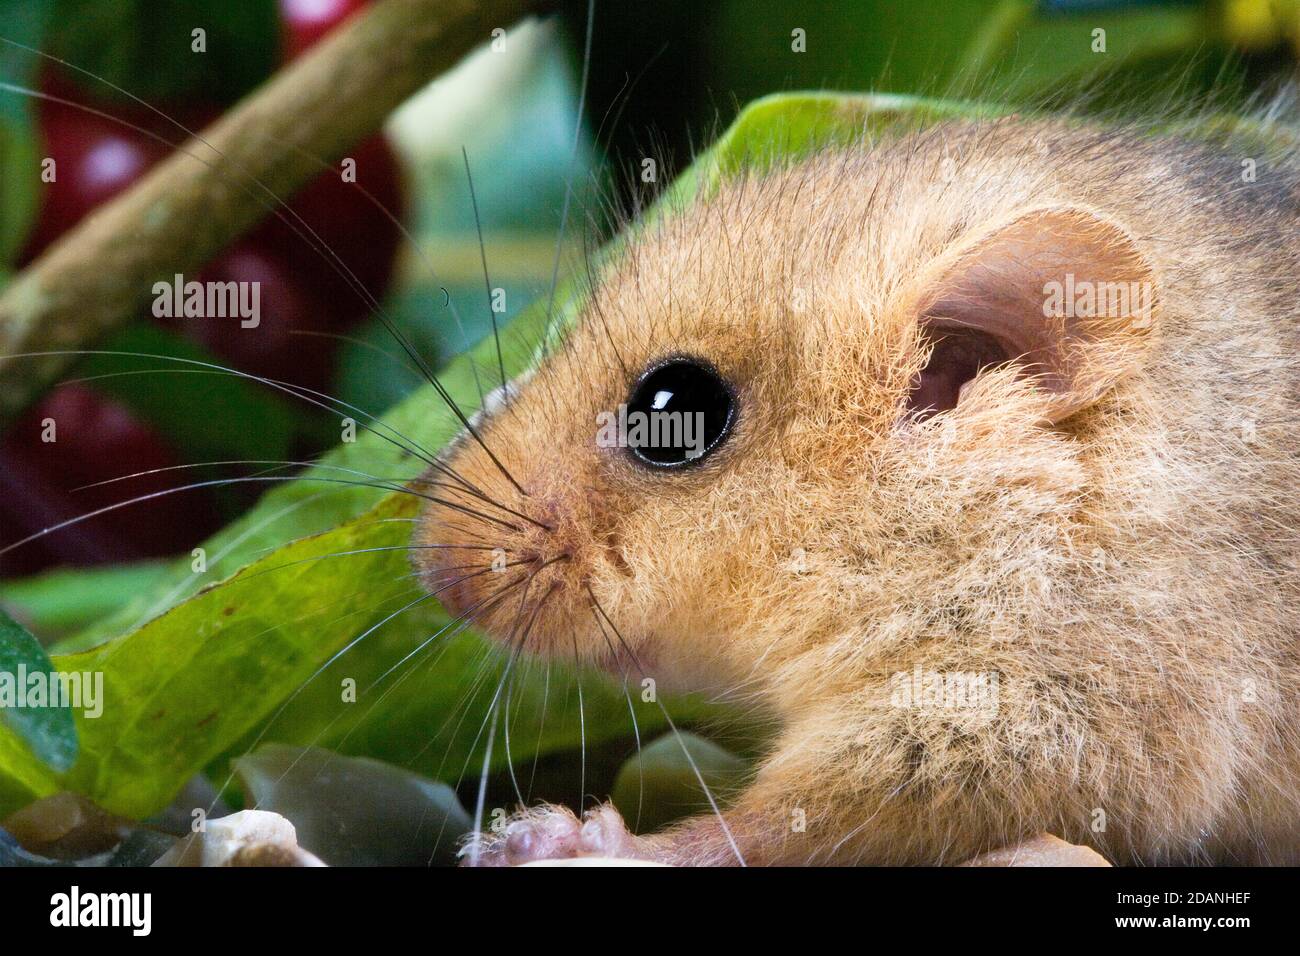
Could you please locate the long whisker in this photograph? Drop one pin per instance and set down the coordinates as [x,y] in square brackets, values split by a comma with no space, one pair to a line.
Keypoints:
[506,508]
[455,626]
[248,479]
[498,594]
[510,763]
[318,465]
[487,282]
[411,242]
[636,729]
[394,547]
[300,392]
[640,763]
[708,793]
[361,343]
[582,728]
[568,180]
[460,624]
[166,600]
[494,712]
[541,726]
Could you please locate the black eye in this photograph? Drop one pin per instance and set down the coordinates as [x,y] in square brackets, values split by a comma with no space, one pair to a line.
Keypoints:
[678,413]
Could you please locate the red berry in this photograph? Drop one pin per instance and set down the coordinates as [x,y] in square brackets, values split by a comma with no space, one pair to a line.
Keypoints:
[302,289]
[95,439]
[94,160]
[344,216]
[286,307]
[306,21]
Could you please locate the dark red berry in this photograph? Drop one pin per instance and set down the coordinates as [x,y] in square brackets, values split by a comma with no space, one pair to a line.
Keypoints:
[94,159]
[280,345]
[306,21]
[348,218]
[43,483]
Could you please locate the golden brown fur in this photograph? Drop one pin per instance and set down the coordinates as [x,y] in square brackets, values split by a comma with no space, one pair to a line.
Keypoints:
[1129,573]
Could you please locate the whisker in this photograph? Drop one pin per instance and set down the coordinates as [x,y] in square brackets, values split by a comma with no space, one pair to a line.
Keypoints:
[450,631]
[394,483]
[582,728]
[481,798]
[244,479]
[394,547]
[499,593]
[300,392]
[568,180]
[487,282]
[636,730]
[168,599]
[334,658]
[494,711]
[541,726]
[296,391]
[640,763]
[708,793]
[505,508]
[361,343]
[460,623]
[510,763]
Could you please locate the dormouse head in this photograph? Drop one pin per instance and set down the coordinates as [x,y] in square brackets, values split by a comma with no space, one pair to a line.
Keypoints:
[823,413]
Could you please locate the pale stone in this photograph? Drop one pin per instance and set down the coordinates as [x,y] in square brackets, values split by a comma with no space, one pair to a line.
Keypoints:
[247,838]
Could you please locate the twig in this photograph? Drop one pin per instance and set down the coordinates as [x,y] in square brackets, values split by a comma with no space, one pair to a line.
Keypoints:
[194,203]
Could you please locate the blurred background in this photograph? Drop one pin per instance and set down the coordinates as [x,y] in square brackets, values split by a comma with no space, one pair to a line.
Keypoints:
[664,78]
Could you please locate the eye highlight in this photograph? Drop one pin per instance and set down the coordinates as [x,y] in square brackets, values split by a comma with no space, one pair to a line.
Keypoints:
[679,412]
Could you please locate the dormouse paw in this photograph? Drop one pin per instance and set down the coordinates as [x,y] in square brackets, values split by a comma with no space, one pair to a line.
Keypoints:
[555,833]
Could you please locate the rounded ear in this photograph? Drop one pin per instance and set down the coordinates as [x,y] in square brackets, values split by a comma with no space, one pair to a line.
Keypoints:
[1059,289]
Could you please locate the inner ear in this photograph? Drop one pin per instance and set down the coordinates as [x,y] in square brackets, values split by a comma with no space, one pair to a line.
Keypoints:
[1060,291]
[957,355]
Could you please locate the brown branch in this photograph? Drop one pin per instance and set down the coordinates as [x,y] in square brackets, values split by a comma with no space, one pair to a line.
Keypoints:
[193,204]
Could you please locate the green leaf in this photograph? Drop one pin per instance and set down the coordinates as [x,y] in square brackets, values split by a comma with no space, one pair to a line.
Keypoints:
[146,47]
[64,600]
[24,23]
[46,728]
